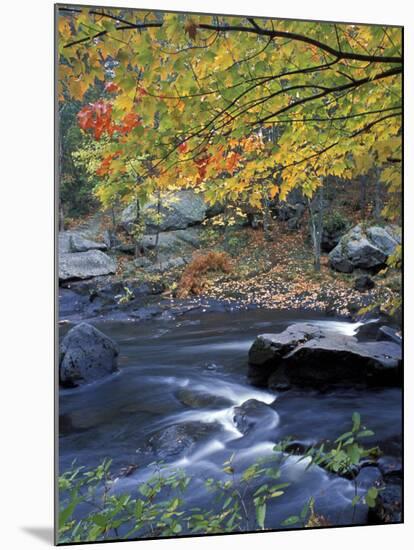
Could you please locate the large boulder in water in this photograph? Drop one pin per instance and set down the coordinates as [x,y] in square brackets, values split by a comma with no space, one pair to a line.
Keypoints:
[253,413]
[86,355]
[308,355]
[200,400]
[178,439]
[365,248]
[83,265]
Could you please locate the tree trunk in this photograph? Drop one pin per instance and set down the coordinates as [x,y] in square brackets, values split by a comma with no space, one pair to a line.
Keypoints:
[138,247]
[378,203]
[61,217]
[267,220]
[113,218]
[267,216]
[316,220]
[363,195]
[157,236]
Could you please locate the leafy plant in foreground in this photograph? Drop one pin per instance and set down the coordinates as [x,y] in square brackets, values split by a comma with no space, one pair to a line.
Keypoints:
[344,459]
[158,510]
[92,509]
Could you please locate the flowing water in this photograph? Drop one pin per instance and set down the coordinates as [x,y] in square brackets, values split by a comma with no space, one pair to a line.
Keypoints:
[191,373]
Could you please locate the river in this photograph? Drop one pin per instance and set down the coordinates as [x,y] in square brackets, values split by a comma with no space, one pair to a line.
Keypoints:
[192,372]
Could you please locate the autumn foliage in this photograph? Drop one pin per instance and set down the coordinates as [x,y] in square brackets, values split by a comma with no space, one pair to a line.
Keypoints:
[241,109]
[98,118]
[193,278]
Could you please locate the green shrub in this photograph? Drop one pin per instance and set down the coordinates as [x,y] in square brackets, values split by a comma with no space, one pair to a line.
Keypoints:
[335,221]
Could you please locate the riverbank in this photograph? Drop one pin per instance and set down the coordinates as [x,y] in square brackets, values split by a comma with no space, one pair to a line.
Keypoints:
[278,274]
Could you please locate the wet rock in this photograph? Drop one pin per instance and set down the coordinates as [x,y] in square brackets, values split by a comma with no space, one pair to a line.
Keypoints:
[388,333]
[278,382]
[388,505]
[146,313]
[211,366]
[307,355]
[363,283]
[81,420]
[72,303]
[364,248]
[342,359]
[296,448]
[201,400]
[254,413]
[86,355]
[369,331]
[390,467]
[177,439]
[83,265]
[111,292]
[368,477]
[268,347]
[128,470]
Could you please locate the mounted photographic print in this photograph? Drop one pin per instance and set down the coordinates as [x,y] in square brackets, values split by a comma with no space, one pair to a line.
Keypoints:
[228,258]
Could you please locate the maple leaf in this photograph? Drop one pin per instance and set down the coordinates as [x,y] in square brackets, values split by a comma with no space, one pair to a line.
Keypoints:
[232,161]
[111,87]
[85,117]
[201,164]
[130,121]
[183,147]
[97,117]
[141,91]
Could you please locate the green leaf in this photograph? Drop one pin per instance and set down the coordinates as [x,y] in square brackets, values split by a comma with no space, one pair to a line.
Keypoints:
[260,490]
[355,500]
[354,453]
[100,520]
[371,496]
[356,419]
[365,433]
[261,514]
[291,520]
[227,502]
[343,437]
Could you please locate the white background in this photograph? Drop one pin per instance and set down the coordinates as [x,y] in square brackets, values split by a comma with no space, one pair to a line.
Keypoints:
[26,289]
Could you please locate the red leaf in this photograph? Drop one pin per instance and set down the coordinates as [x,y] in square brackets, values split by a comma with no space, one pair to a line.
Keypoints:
[183,147]
[111,87]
